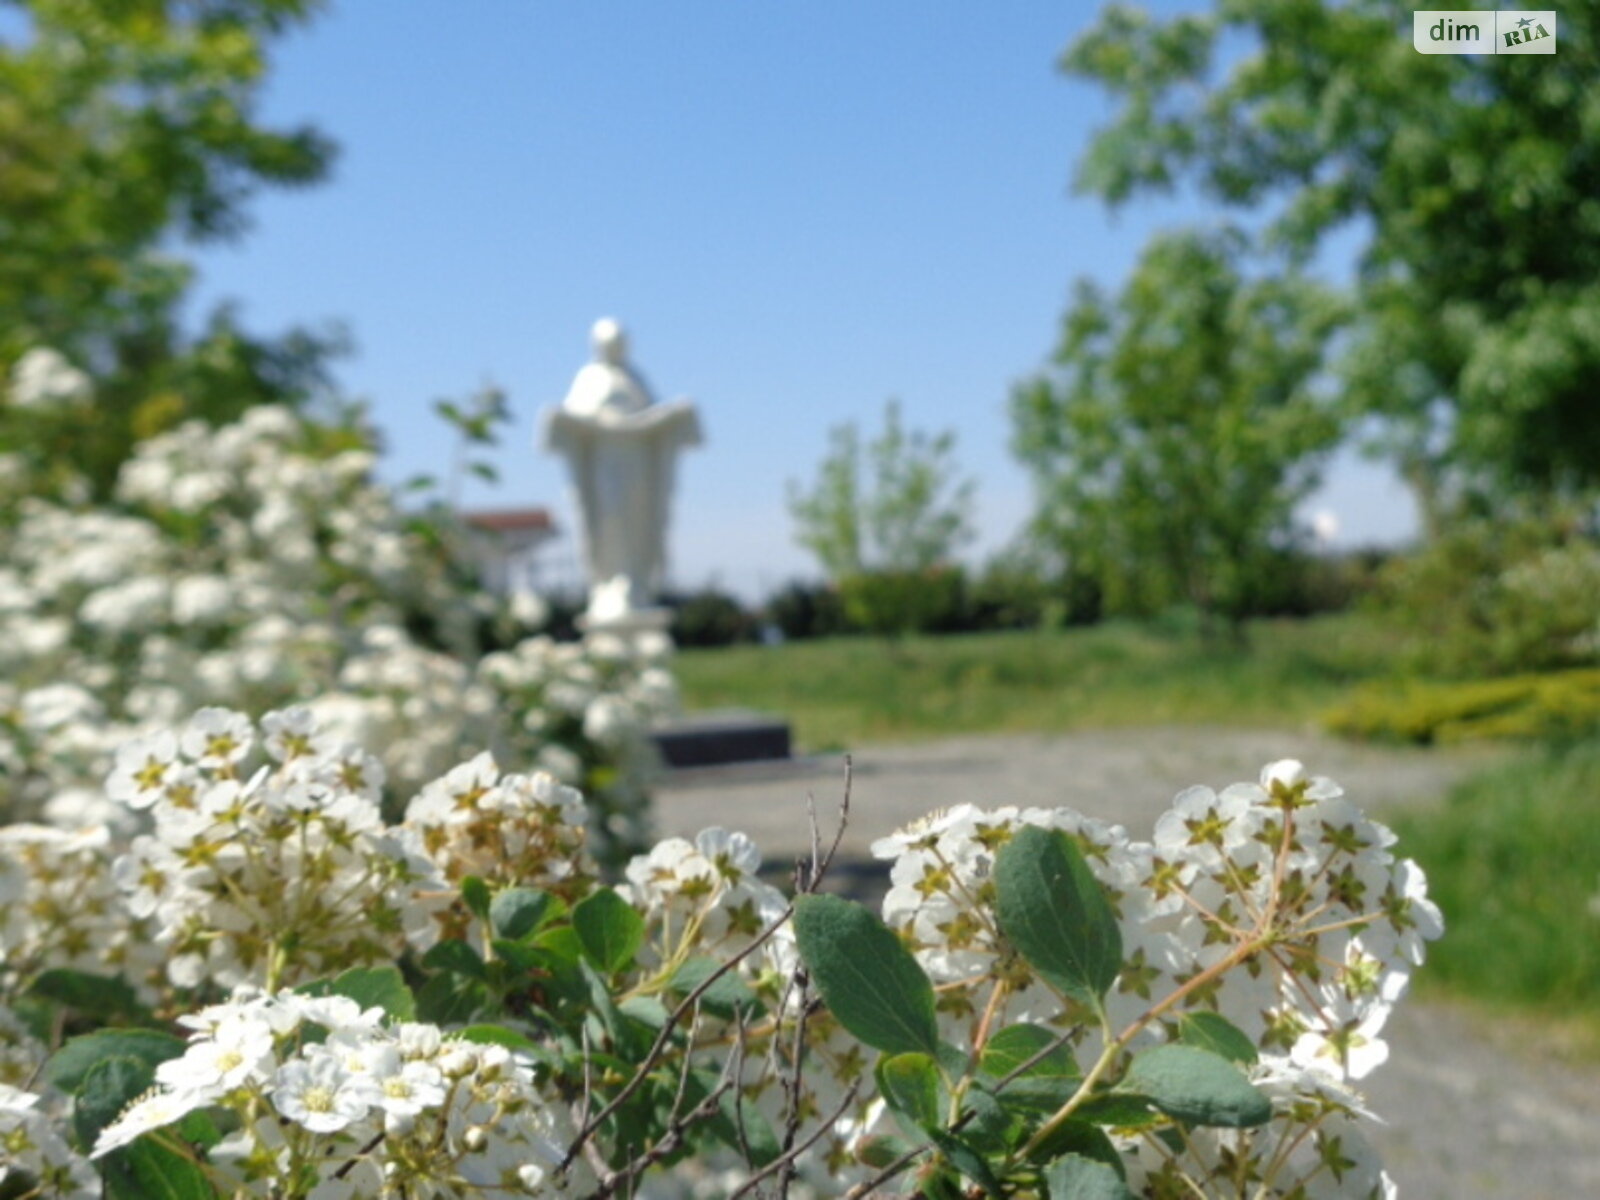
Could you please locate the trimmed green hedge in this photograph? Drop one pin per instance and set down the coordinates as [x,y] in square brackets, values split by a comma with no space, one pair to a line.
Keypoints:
[1557,705]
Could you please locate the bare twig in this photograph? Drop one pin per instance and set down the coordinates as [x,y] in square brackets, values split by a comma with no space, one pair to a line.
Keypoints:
[806,881]
[807,875]
[668,1142]
[788,1157]
[900,1164]
[793,1086]
[683,1073]
[658,1049]
[897,1167]
[588,1077]
[737,1069]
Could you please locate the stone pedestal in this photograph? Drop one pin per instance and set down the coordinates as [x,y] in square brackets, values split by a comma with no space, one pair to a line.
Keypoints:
[627,622]
[719,738]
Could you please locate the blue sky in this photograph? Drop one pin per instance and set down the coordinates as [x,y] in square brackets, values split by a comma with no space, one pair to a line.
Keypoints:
[798,211]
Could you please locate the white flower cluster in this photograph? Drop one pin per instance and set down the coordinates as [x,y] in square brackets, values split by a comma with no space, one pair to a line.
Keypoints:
[704,897]
[60,907]
[33,1153]
[44,379]
[1315,1147]
[1276,904]
[351,1104]
[35,1160]
[266,863]
[510,830]
[272,875]
[267,860]
[574,707]
[250,567]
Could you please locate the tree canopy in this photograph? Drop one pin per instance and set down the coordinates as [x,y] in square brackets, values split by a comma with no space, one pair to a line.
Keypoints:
[905,510]
[1473,182]
[128,128]
[1180,424]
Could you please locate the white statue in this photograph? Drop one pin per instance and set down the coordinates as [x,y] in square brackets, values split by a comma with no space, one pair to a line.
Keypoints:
[621,448]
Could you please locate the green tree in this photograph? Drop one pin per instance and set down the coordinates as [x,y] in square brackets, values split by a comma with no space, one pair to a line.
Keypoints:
[883,523]
[1182,421]
[128,128]
[905,509]
[1472,180]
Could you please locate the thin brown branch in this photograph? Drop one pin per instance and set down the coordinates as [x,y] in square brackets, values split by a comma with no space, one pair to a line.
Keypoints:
[794,1085]
[795,1152]
[658,1049]
[669,1141]
[898,1167]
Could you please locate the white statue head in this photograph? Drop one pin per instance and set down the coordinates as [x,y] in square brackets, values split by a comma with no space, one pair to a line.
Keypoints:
[609,341]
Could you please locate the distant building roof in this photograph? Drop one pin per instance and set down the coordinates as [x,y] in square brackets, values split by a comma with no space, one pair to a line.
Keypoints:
[511,520]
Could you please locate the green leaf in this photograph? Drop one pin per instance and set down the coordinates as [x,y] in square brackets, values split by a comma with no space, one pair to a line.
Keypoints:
[102,996]
[967,1160]
[629,1036]
[475,895]
[609,930]
[1074,1177]
[108,1088]
[455,957]
[449,999]
[199,1129]
[1031,1097]
[147,1170]
[562,959]
[955,1062]
[882,1149]
[1045,1086]
[1016,1044]
[370,987]
[1214,1032]
[914,1091]
[724,998]
[519,956]
[1055,912]
[989,1126]
[940,1181]
[144,1168]
[1131,1111]
[498,1035]
[68,1066]
[1083,1139]
[867,977]
[561,941]
[1197,1086]
[647,1010]
[517,912]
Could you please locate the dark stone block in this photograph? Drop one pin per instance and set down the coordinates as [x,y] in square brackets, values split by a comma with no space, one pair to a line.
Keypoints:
[712,739]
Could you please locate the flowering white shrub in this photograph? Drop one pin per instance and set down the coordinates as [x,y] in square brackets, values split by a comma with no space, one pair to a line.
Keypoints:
[43,378]
[369,1106]
[1276,905]
[269,876]
[250,566]
[1047,1008]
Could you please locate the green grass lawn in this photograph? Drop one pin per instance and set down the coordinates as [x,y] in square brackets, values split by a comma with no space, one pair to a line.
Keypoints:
[844,692]
[1513,860]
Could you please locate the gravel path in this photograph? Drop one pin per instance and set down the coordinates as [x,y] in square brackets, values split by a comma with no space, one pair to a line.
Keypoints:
[1468,1119]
